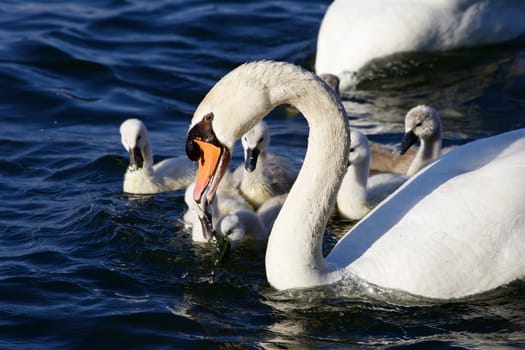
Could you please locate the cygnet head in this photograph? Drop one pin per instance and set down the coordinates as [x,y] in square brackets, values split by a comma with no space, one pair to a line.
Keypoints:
[231,228]
[205,215]
[135,139]
[255,142]
[332,81]
[421,122]
[359,148]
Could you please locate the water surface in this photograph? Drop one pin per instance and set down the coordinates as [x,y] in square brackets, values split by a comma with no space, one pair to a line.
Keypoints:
[83,265]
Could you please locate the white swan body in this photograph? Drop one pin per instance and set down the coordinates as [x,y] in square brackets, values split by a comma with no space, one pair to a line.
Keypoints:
[353,32]
[263,175]
[359,193]
[454,229]
[144,177]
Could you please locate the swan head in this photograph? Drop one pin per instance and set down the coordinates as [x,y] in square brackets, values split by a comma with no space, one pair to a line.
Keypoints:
[234,105]
[231,227]
[255,142]
[135,139]
[421,122]
[359,148]
[332,80]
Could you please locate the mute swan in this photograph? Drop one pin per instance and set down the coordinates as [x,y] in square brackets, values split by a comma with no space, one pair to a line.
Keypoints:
[142,177]
[453,230]
[249,225]
[194,217]
[421,123]
[359,193]
[263,175]
[353,32]
[227,201]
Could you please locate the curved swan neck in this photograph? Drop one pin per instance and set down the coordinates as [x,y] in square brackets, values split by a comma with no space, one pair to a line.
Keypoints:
[294,255]
[358,181]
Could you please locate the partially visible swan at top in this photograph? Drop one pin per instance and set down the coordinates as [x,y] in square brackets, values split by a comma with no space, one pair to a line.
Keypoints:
[263,175]
[444,234]
[359,193]
[421,123]
[144,177]
[353,32]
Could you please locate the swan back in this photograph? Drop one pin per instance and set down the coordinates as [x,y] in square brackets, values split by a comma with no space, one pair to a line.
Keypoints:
[446,233]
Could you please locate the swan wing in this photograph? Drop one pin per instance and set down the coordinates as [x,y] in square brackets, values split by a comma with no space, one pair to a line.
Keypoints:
[455,229]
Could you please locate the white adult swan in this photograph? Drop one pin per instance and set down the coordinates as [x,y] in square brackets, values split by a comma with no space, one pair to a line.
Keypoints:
[264,175]
[359,192]
[142,176]
[353,32]
[453,230]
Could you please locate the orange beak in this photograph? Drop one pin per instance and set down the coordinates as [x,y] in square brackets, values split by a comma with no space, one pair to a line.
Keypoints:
[203,146]
[208,162]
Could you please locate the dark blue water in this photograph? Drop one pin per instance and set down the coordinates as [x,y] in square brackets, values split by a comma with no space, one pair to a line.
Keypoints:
[83,265]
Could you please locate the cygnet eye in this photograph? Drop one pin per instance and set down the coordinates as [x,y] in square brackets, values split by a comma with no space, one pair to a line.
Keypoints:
[352,149]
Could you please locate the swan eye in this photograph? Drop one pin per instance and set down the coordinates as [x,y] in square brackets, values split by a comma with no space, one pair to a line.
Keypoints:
[419,124]
[138,138]
[260,140]
[208,117]
[352,149]
[193,150]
